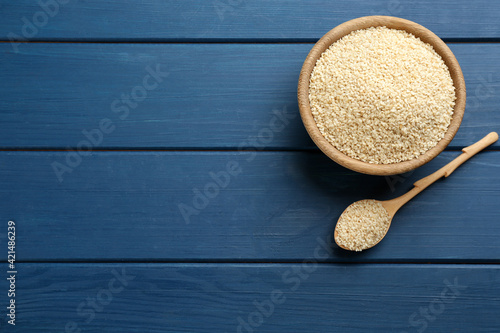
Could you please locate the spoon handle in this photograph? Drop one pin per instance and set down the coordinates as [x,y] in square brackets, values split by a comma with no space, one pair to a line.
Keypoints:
[393,205]
[467,153]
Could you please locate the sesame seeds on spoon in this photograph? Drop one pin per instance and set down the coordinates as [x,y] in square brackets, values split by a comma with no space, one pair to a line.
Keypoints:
[365,223]
[362,225]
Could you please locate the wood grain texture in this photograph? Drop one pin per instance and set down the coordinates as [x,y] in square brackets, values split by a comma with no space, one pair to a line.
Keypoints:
[153,20]
[125,205]
[215,96]
[211,298]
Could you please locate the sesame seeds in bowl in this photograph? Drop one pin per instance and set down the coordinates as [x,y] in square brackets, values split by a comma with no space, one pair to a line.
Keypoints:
[381,95]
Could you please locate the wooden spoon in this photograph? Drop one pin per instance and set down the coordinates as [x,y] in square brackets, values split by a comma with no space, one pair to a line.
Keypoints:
[392,206]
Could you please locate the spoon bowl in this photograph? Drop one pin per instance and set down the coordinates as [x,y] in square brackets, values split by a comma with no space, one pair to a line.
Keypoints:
[366,232]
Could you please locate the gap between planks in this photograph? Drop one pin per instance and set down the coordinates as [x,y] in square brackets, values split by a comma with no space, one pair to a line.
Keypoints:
[225,41]
[182,149]
[444,262]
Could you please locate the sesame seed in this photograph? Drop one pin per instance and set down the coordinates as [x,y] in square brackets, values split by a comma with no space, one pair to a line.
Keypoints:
[381,95]
[362,225]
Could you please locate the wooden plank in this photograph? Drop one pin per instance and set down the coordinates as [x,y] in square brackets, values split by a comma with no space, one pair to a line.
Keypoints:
[255,298]
[153,20]
[274,206]
[216,95]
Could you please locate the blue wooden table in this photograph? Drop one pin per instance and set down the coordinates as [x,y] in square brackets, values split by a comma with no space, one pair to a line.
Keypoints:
[160,179]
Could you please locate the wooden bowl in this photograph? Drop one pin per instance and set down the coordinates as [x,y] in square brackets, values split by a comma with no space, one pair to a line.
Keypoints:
[394,23]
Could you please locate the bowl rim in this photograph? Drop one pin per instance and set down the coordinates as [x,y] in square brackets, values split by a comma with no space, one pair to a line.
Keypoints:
[391,22]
